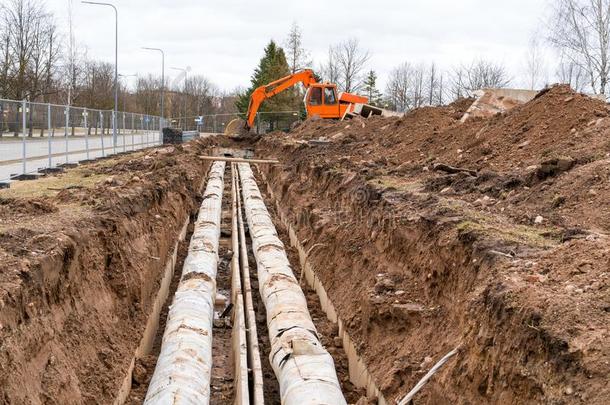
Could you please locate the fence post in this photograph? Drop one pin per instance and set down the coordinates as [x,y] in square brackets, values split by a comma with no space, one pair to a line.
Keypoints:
[102,131]
[67,114]
[124,132]
[114,138]
[85,115]
[49,134]
[143,135]
[23,147]
[133,137]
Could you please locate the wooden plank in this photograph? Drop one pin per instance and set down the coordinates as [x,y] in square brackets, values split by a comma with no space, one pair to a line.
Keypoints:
[239,160]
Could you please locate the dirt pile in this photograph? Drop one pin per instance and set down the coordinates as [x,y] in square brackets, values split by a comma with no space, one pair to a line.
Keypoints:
[81,257]
[490,236]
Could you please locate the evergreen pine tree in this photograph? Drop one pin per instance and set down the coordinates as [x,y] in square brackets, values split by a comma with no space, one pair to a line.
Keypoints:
[370,89]
[272,66]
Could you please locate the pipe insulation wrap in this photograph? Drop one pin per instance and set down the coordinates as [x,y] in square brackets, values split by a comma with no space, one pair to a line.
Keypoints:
[304,369]
[183,371]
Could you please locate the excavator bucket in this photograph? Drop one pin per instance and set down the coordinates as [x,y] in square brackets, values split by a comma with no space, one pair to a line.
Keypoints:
[236,128]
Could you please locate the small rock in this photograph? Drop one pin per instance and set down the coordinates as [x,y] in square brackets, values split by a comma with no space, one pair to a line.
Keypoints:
[220,300]
[524,144]
[567,100]
[539,219]
[534,278]
[400,292]
[558,201]
[139,373]
[446,190]
[426,362]
[135,178]
[383,285]
[569,391]
[337,341]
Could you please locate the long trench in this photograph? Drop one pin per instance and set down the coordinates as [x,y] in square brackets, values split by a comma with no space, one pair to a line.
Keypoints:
[249,288]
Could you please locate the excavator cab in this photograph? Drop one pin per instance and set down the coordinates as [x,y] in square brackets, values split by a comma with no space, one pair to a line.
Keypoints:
[321,99]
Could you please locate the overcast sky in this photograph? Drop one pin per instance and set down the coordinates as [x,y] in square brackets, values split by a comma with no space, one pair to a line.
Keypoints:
[224,39]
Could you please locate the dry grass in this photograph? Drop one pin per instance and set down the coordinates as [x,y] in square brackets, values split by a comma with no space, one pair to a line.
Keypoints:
[51,185]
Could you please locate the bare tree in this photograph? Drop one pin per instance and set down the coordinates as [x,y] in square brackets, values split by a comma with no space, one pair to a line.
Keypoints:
[330,69]
[298,57]
[581,30]
[478,75]
[23,20]
[398,87]
[350,61]
[432,84]
[75,60]
[572,74]
[201,93]
[535,70]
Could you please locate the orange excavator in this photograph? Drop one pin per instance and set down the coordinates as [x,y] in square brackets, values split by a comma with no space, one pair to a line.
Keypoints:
[321,99]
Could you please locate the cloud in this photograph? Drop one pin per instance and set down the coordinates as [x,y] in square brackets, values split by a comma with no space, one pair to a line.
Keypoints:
[223,40]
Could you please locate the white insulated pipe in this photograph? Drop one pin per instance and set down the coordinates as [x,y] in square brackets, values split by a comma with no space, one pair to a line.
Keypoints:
[304,369]
[184,366]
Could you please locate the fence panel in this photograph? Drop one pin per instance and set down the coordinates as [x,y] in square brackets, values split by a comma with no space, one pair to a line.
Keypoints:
[43,136]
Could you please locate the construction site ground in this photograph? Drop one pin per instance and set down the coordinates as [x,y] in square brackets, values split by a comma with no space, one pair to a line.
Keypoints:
[428,234]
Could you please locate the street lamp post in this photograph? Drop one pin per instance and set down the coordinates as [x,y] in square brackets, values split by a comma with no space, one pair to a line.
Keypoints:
[116,68]
[185,79]
[162,78]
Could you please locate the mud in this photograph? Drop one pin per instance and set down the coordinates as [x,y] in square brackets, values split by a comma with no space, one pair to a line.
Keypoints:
[81,259]
[505,257]
[427,234]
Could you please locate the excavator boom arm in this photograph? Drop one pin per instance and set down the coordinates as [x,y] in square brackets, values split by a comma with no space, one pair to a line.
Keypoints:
[269,90]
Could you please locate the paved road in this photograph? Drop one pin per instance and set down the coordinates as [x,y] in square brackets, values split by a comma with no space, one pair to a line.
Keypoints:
[37,150]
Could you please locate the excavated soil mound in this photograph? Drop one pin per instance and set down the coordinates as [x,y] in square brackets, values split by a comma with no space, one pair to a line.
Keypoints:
[489,235]
[81,258]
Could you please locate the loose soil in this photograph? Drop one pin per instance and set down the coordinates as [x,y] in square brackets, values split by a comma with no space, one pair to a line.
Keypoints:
[327,331]
[427,233]
[145,366]
[81,258]
[490,236]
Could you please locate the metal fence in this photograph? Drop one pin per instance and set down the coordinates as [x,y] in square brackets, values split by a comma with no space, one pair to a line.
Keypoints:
[216,123]
[38,136]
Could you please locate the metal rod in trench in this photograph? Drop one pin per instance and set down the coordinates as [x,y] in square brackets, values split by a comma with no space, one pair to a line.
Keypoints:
[254,356]
[238,335]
